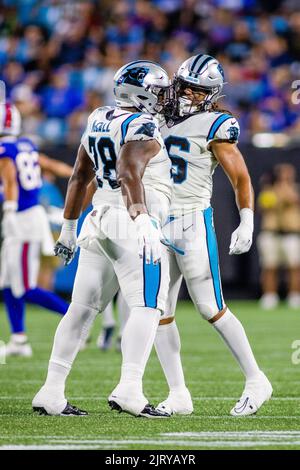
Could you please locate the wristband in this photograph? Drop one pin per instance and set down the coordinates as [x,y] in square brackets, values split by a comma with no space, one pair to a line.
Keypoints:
[70,225]
[10,206]
[247,217]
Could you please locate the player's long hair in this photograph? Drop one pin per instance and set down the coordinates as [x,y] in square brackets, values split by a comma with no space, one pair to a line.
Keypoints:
[216,108]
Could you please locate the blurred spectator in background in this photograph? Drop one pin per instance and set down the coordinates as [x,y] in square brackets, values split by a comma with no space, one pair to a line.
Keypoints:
[279,240]
[65,50]
[29,106]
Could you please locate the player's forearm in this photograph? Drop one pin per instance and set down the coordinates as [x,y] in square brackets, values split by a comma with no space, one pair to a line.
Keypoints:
[56,167]
[63,170]
[91,189]
[133,193]
[134,157]
[10,190]
[244,193]
[82,175]
[75,197]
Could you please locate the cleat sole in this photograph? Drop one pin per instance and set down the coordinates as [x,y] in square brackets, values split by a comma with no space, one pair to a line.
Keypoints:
[41,411]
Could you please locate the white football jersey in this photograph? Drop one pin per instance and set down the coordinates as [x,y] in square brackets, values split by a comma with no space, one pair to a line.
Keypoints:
[108,128]
[193,163]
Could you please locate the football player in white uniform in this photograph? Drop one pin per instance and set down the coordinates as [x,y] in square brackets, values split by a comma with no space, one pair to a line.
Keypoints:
[120,238]
[198,138]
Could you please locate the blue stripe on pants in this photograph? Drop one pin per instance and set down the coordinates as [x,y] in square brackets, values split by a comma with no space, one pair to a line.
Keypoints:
[212,248]
[152,277]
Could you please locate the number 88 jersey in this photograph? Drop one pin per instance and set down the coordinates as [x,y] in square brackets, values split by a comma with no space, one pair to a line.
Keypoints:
[109,128]
[26,159]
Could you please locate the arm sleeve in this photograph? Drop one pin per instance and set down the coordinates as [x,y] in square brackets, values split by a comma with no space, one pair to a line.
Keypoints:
[225,127]
[140,128]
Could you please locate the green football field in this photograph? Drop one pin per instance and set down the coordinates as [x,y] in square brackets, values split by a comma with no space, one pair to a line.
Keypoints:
[211,374]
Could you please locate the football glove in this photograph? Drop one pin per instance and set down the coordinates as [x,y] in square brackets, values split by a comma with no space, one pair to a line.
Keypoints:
[148,239]
[241,239]
[65,247]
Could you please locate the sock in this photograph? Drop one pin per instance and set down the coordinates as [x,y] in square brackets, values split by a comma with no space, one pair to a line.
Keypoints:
[72,330]
[47,300]
[137,341]
[233,333]
[19,338]
[108,320]
[123,311]
[15,308]
[167,345]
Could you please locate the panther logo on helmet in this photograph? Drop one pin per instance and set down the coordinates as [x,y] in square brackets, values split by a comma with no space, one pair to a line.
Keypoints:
[134,76]
[143,85]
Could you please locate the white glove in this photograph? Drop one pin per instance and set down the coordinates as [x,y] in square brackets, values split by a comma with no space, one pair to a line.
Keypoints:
[65,247]
[241,239]
[10,226]
[148,239]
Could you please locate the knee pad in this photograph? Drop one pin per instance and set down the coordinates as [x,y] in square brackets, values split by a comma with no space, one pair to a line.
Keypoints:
[79,315]
[206,311]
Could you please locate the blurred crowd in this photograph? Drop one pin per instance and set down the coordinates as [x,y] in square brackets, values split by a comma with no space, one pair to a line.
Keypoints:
[58,58]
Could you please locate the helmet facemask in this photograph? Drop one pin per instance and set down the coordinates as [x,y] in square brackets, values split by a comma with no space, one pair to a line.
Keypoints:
[156,99]
[190,105]
[198,84]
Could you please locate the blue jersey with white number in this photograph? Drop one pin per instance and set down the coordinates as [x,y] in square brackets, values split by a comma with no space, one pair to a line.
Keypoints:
[25,156]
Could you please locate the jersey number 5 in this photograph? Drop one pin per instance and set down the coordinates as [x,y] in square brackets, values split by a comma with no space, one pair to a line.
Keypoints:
[179,164]
[104,150]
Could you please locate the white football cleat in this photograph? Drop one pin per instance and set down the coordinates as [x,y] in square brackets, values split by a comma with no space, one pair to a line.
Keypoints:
[135,404]
[179,402]
[269,301]
[48,400]
[256,392]
[293,300]
[18,346]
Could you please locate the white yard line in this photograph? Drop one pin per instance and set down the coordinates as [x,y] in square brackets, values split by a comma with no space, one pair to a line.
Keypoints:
[253,417]
[91,438]
[99,397]
[234,434]
[207,439]
[178,443]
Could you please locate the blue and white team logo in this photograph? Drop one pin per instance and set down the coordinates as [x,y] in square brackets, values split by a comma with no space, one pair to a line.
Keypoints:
[147,128]
[233,133]
[134,76]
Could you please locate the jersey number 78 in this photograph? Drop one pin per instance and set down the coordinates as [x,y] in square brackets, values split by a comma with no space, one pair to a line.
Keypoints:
[103,152]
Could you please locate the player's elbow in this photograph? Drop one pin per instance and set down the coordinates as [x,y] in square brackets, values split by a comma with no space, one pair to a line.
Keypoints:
[79,178]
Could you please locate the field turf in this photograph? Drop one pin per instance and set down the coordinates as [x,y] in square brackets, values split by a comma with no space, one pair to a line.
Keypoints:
[211,373]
